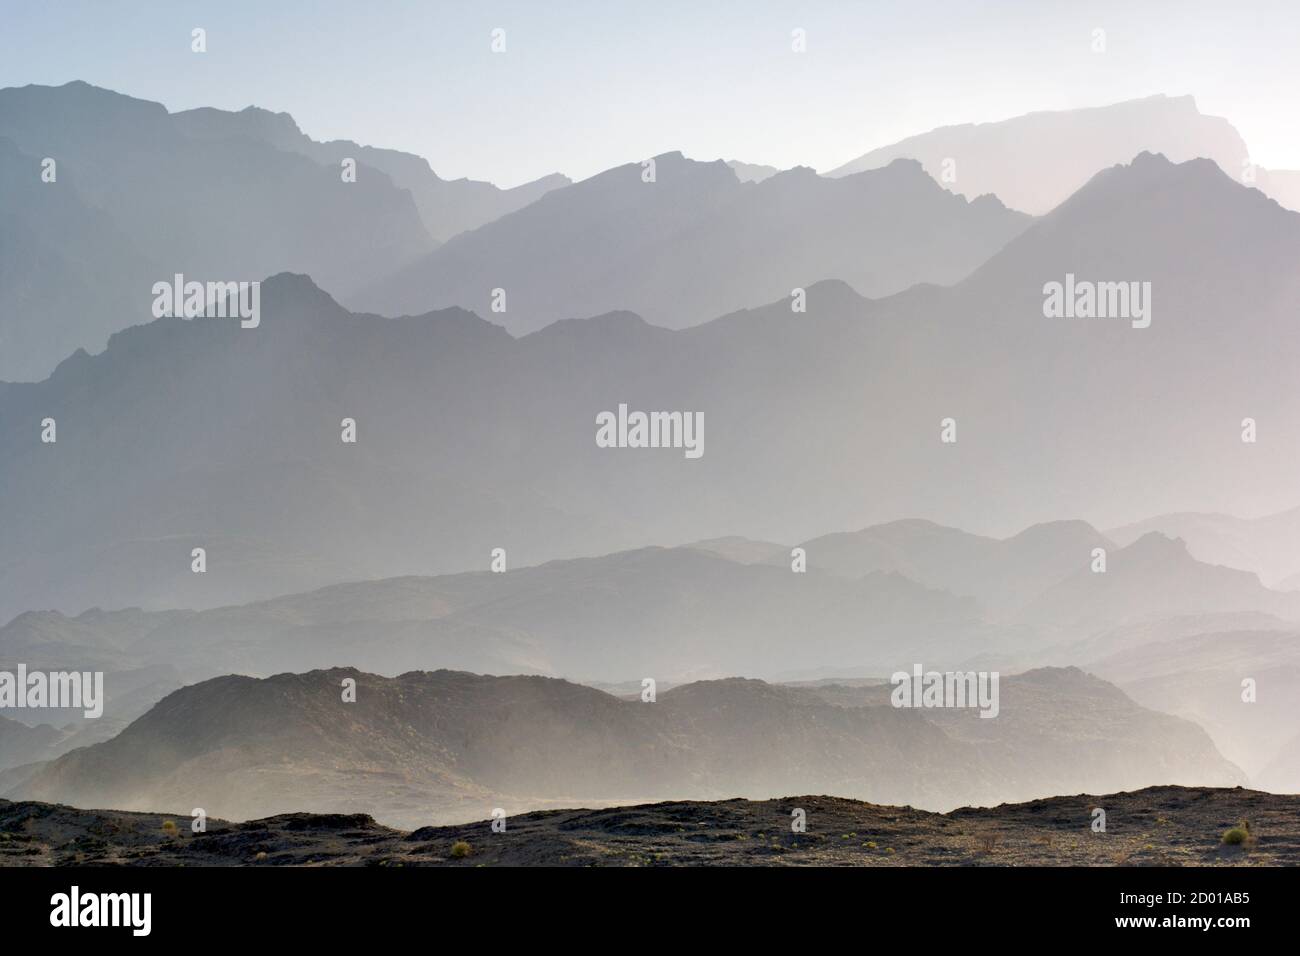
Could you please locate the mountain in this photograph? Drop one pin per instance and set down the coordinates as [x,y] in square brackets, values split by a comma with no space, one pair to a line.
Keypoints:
[671,614]
[1200,677]
[1091,652]
[1154,577]
[744,550]
[1002,574]
[21,743]
[698,242]
[69,276]
[1036,161]
[702,611]
[1265,546]
[449,746]
[751,172]
[1282,184]
[447,206]
[136,200]
[1214,253]
[186,434]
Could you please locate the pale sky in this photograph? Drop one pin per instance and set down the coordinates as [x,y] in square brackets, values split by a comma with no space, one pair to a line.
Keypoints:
[584,85]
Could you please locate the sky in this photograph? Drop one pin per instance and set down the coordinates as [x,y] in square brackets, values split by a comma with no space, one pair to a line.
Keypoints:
[583,86]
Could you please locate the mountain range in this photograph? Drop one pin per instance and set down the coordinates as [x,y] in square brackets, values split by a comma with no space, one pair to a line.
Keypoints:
[1034,162]
[140,194]
[697,242]
[448,746]
[683,614]
[447,207]
[203,434]
[233,522]
[143,194]
[1202,677]
[1263,546]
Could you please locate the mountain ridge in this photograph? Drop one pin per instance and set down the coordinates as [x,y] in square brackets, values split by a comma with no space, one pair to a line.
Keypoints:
[435,744]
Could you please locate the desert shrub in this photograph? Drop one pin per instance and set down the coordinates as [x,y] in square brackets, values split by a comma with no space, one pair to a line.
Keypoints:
[170,828]
[1236,836]
[459,850]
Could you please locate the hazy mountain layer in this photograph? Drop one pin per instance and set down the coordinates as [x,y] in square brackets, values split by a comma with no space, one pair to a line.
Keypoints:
[451,746]
[447,206]
[189,434]
[1266,546]
[1204,676]
[672,614]
[140,194]
[1034,162]
[69,275]
[20,743]
[698,242]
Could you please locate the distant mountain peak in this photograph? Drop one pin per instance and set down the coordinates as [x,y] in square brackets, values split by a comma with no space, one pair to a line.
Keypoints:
[278,128]
[618,321]
[1035,161]
[1150,171]
[1156,543]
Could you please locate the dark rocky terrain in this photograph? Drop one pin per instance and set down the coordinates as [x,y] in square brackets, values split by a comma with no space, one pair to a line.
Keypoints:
[1179,826]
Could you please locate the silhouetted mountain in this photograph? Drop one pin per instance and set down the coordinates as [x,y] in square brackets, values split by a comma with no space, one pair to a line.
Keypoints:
[447,206]
[69,277]
[447,746]
[1034,162]
[744,550]
[1109,641]
[137,199]
[1002,574]
[1282,184]
[751,172]
[687,613]
[21,743]
[1265,546]
[1092,399]
[187,434]
[1154,577]
[698,242]
[669,614]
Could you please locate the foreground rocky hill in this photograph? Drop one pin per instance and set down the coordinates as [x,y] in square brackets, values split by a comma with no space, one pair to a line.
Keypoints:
[445,747]
[1168,826]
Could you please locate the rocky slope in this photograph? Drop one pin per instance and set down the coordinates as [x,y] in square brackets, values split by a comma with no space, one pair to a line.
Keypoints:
[1157,826]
